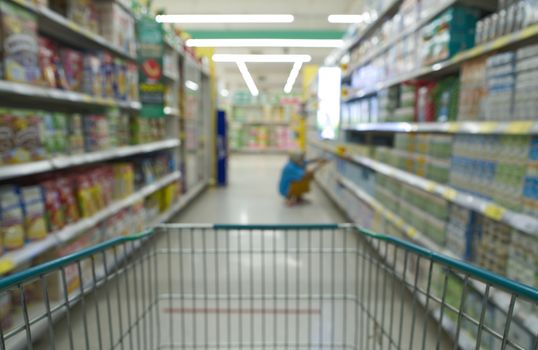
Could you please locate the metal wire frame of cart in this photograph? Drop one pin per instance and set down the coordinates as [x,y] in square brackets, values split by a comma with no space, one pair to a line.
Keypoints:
[259,286]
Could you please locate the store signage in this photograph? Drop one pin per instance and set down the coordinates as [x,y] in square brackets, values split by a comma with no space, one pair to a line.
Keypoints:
[150,36]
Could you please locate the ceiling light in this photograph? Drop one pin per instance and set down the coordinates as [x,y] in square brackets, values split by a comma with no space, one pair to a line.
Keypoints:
[224,93]
[293,76]
[261,58]
[248,78]
[191,85]
[329,43]
[217,19]
[346,19]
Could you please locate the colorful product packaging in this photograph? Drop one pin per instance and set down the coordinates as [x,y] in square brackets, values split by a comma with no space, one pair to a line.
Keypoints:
[53,205]
[20,44]
[12,215]
[34,212]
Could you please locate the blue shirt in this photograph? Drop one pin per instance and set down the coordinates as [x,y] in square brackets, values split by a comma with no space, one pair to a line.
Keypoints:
[291,172]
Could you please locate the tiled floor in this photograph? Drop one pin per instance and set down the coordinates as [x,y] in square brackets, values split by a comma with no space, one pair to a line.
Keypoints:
[252,197]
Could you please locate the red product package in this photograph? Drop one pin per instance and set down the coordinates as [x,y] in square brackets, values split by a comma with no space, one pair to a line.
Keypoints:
[73,69]
[425,106]
[53,205]
[68,199]
[48,61]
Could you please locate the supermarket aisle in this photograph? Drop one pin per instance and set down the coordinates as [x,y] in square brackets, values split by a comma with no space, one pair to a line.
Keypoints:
[252,197]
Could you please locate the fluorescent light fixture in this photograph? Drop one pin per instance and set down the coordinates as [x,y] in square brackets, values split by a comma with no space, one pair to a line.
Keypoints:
[293,76]
[217,19]
[189,84]
[248,78]
[261,58]
[329,43]
[346,19]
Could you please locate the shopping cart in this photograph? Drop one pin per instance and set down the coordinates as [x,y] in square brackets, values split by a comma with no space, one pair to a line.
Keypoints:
[258,286]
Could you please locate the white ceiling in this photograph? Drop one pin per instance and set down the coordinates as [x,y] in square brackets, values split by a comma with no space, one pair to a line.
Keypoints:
[309,15]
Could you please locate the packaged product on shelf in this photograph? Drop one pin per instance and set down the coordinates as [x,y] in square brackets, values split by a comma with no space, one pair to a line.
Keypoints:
[54,133]
[20,44]
[47,62]
[523,258]
[72,69]
[492,248]
[34,212]
[124,180]
[449,33]
[425,102]
[83,13]
[68,198]
[12,215]
[97,133]
[53,205]
[107,74]
[132,81]
[24,127]
[459,232]
[92,81]
[120,79]
[501,79]
[75,134]
[473,89]
[85,197]
[445,95]
[117,26]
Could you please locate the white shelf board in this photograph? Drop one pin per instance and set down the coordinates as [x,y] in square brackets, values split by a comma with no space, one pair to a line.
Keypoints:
[10,88]
[523,127]
[62,162]
[11,260]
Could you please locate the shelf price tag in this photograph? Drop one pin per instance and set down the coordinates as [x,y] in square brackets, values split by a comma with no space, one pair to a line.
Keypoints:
[453,127]
[519,127]
[6,265]
[494,212]
[487,127]
[450,194]
[412,232]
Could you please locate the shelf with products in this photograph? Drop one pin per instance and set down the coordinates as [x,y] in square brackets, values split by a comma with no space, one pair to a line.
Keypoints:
[504,39]
[12,259]
[338,187]
[50,71]
[76,24]
[390,10]
[39,328]
[488,208]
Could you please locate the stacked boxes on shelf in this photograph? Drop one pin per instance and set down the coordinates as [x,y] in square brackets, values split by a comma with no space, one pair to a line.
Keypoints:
[458,233]
[492,166]
[501,83]
[492,249]
[530,190]
[450,32]
[526,89]
[522,258]
[473,89]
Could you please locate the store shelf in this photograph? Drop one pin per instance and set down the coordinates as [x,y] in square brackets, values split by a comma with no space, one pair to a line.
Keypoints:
[13,259]
[59,27]
[524,223]
[512,40]
[44,94]
[261,151]
[500,299]
[263,122]
[387,13]
[478,127]
[62,162]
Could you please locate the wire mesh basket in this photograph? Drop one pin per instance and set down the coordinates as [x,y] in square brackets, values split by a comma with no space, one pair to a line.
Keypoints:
[263,286]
